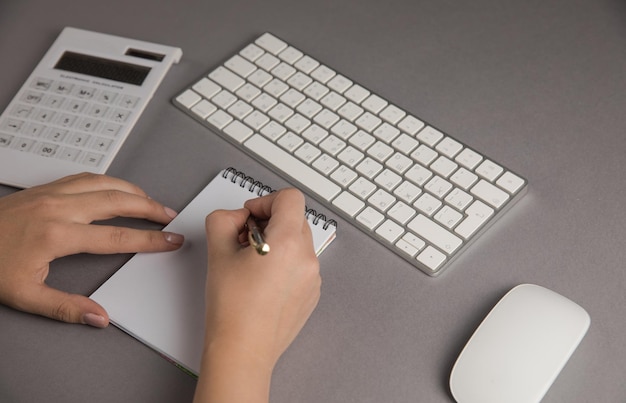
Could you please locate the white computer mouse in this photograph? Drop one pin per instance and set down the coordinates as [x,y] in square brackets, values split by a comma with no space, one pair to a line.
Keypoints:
[519,348]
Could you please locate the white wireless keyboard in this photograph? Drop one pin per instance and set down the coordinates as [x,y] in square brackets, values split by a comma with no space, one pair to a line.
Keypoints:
[416,190]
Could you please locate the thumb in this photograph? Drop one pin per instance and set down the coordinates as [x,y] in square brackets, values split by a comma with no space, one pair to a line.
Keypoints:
[66,307]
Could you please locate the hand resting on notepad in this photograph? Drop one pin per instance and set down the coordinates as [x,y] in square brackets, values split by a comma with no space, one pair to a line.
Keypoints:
[43,223]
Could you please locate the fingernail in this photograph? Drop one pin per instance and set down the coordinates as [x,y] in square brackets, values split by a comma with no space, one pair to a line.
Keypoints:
[173,238]
[94,320]
[170,213]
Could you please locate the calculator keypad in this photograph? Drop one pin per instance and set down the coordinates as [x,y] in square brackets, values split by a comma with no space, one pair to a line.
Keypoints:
[68,121]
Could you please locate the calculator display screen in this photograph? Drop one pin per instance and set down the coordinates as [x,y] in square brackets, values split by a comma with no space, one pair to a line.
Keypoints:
[103,68]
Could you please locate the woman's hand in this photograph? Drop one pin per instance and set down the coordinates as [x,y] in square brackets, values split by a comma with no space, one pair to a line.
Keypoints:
[46,222]
[256,305]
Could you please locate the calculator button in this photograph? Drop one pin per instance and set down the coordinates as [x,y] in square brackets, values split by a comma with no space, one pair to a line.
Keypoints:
[98,111]
[62,88]
[66,120]
[53,101]
[11,125]
[101,144]
[43,115]
[88,124]
[92,159]
[22,111]
[32,97]
[23,144]
[69,154]
[120,115]
[107,97]
[76,106]
[128,101]
[47,149]
[84,92]
[42,84]
[56,135]
[34,129]
[110,129]
[79,139]
[5,139]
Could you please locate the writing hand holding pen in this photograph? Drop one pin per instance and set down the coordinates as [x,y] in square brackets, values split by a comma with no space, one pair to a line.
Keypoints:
[255,305]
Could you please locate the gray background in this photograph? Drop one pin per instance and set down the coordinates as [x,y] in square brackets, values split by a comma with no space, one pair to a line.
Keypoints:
[538,85]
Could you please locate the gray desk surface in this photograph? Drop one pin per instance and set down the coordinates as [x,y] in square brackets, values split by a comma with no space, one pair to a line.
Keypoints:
[537,85]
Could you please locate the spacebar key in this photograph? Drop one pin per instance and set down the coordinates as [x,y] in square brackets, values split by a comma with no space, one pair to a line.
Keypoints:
[292,166]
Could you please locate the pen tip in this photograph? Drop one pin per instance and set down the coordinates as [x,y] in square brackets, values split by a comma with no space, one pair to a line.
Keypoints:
[264,249]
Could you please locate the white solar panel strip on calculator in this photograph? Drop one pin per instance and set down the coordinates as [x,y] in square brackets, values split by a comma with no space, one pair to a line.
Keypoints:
[419,192]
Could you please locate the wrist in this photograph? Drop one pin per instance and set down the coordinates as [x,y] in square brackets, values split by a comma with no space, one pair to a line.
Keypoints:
[233,372]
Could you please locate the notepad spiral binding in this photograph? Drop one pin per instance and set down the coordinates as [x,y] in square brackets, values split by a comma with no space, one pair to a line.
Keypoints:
[260,189]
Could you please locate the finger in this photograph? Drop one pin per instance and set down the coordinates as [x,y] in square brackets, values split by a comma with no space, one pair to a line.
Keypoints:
[105,204]
[59,305]
[89,182]
[223,229]
[284,208]
[104,239]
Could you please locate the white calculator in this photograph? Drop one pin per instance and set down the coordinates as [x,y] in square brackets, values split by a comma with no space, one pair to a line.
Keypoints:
[79,105]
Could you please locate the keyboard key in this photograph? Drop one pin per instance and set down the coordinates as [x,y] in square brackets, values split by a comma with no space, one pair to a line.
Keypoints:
[429,136]
[226,79]
[240,66]
[374,104]
[370,218]
[339,83]
[401,212]
[410,125]
[219,119]
[434,233]
[203,109]
[206,88]
[322,74]
[448,217]
[290,55]
[270,43]
[510,182]
[238,131]
[392,114]
[349,204]
[489,170]
[477,215]
[188,98]
[431,258]
[490,193]
[449,147]
[362,187]
[390,231]
[252,52]
[343,176]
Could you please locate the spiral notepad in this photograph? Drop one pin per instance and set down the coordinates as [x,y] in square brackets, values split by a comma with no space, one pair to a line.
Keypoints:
[158,298]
